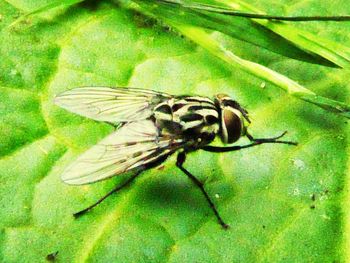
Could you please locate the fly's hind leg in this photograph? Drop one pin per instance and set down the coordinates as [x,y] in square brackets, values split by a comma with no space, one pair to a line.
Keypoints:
[118,188]
[181,157]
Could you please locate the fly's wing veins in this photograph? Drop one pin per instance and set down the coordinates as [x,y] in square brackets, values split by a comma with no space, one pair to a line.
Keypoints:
[111,104]
[132,146]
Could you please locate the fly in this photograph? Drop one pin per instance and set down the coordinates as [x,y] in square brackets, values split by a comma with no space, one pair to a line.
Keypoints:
[153,126]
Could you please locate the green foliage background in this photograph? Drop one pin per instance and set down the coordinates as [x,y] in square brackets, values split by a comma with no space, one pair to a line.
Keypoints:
[265,193]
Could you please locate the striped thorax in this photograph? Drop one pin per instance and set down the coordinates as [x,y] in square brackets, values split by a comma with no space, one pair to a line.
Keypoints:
[201,119]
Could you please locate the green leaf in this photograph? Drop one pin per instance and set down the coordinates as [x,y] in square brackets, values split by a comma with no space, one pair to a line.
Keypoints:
[283,203]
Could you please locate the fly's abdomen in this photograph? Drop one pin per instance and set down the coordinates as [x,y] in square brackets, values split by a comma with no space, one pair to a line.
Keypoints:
[187,116]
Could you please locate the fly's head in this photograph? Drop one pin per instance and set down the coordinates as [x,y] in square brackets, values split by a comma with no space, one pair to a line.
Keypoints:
[233,119]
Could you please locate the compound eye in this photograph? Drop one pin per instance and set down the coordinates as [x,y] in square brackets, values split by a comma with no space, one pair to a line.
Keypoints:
[231,125]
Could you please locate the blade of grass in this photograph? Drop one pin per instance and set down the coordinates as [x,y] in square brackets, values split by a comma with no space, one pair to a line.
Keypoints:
[234,26]
[207,41]
[336,53]
[332,51]
[231,12]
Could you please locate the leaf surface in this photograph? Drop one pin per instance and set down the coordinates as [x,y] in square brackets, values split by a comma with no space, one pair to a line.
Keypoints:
[283,203]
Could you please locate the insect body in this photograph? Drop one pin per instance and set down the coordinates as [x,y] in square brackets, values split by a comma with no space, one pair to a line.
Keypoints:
[153,126]
[196,120]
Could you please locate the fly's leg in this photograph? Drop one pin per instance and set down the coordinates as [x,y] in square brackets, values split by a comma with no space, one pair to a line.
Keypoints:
[119,187]
[254,141]
[181,157]
[270,140]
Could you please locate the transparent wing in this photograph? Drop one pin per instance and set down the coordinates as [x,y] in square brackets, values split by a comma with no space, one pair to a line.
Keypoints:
[111,104]
[133,145]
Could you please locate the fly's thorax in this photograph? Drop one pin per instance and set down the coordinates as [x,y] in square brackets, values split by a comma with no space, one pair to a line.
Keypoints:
[187,116]
[233,119]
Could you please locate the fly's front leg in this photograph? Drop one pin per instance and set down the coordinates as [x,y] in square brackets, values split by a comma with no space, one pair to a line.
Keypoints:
[254,141]
[270,140]
[181,157]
